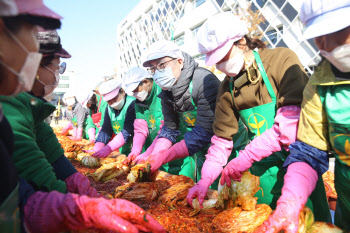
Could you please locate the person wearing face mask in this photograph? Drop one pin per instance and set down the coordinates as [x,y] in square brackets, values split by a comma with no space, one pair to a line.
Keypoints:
[38,155]
[324,124]
[97,107]
[79,119]
[118,120]
[139,84]
[263,88]
[188,103]
[21,208]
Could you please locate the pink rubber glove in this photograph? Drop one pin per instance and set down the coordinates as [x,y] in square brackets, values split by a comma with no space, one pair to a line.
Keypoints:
[80,184]
[177,151]
[75,130]
[67,128]
[160,144]
[103,153]
[216,159]
[91,133]
[117,142]
[98,146]
[140,135]
[145,154]
[79,135]
[281,134]
[299,182]
[57,212]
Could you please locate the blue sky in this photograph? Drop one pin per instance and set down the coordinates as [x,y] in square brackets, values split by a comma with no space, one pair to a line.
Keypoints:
[88,33]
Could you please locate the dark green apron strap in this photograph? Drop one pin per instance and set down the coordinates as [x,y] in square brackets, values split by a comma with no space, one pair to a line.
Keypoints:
[264,76]
[318,198]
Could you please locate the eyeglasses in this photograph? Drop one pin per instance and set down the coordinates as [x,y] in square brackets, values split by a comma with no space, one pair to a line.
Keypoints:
[160,67]
[61,67]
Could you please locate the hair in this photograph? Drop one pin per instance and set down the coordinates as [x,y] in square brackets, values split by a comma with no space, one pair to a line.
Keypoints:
[47,60]
[92,100]
[253,43]
[12,23]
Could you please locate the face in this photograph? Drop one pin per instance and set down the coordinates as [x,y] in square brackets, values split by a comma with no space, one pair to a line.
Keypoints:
[144,85]
[240,47]
[330,41]
[119,97]
[46,76]
[13,55]
[165,62]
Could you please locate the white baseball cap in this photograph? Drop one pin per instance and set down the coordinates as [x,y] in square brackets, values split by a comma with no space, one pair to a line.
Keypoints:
[323,17]
[159,49]
[133,78]
[217,35]
[110,89]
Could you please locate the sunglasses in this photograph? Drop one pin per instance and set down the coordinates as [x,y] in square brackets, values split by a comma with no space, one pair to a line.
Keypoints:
[61,67]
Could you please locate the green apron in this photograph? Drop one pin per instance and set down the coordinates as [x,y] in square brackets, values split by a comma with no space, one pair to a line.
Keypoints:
[336,103]
[186,166]
[270,170]
[151,112]
[118,123]
[9,213]
[187,122]
[88,123]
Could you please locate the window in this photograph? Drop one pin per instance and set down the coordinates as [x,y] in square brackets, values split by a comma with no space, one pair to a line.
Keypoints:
[180,40]
[63,86]
[274,35]
[261,3]
[64,77]
[199,57]
[195,31]
[199,2]
[179,14]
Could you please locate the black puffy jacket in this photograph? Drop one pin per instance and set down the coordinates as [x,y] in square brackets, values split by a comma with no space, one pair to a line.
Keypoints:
[178,99]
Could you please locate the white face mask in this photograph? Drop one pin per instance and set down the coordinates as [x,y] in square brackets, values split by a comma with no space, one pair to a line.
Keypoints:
[165,79]
[118,105]
[339,57]
[232,66]
[141,96]
[48,89]
[70,101]
[26,75]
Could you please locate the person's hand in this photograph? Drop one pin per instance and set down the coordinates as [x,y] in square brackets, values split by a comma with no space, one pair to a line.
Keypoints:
[65,130]
[133,155]
[103,153]
[285,217]
[78,135]
[91,133]
[198,191]
[157,159]
[299,182]
[142,158]
[98,146]
[234,170]
[80,184]
[57,212]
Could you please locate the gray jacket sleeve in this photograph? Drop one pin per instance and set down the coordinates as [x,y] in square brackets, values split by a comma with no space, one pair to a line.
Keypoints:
[80,114]
[204,94]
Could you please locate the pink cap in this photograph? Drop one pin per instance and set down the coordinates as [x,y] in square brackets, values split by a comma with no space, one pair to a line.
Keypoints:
[111,95]
[110,89]
[26,7]
[217,35]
